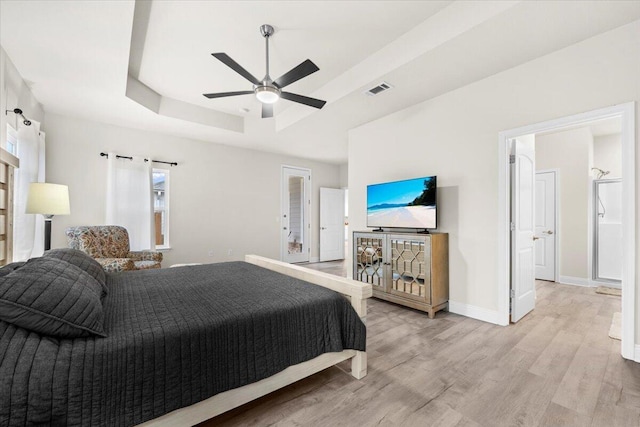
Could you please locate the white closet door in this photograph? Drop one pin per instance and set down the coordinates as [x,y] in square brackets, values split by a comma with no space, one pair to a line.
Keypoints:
[523,290]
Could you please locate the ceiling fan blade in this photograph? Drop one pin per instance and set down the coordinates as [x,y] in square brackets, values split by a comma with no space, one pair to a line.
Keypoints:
[226,60]
[267,111]
[311,102]
[302,70]
[223,94]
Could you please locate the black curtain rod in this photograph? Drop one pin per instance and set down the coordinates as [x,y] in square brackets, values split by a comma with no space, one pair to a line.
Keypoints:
[146,160]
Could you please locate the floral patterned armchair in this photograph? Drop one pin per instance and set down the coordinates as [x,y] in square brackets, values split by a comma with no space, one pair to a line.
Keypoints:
[109,245]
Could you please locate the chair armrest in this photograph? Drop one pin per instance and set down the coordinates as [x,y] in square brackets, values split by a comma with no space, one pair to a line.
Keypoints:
[114,265]
[145,256]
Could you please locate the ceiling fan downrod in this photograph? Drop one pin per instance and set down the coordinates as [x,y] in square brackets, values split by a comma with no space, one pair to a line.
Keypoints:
[267,31]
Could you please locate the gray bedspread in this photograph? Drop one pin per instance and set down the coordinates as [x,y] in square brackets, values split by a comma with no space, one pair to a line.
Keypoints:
[175,337]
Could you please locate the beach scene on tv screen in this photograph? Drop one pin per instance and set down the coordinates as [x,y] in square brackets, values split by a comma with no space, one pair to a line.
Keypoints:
[402,204]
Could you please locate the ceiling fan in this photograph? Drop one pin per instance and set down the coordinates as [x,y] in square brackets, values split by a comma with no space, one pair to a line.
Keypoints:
[268,91]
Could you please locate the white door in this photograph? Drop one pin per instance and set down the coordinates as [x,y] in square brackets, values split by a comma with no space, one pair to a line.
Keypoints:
[294,219]
[545,232]
[331,224]
[523,290]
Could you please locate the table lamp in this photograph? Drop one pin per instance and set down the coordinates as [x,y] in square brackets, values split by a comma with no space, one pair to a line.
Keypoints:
[48,200]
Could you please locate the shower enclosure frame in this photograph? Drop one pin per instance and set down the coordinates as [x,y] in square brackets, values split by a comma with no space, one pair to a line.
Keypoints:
[596,204]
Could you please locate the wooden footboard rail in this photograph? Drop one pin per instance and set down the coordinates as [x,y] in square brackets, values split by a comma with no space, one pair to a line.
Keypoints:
[357,292]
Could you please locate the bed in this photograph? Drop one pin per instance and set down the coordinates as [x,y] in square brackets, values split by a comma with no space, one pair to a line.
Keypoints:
[183,345]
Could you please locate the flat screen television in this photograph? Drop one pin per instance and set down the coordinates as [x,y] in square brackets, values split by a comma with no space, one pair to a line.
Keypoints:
[403,204]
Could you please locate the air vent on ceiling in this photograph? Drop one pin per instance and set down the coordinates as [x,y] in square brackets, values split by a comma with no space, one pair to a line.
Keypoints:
[378,89]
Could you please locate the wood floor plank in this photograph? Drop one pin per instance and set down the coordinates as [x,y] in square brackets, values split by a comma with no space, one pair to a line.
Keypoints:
[557,356]
[581,384]
[465,422]
[598,334]
[433,414]
[541,335]
[558,416]
[556,367]
[520,400]
[630,393]
[611,411]
[461,329]
[610,304]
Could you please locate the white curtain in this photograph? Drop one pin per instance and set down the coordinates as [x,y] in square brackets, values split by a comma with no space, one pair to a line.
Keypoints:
[130,201]
[28,229]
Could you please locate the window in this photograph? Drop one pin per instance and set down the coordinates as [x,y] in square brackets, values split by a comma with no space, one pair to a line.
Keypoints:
[12,140]
[161,207]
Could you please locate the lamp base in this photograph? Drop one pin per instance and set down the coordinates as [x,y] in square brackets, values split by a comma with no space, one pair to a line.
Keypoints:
[47,234]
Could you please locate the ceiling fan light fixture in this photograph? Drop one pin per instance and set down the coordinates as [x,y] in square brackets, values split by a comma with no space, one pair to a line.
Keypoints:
[267,94]
[267,90]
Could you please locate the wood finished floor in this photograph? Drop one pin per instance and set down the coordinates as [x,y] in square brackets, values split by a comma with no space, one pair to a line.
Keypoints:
[556,367]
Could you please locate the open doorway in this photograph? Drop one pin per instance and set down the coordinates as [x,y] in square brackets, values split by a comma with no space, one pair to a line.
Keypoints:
[578,204]
[516,269]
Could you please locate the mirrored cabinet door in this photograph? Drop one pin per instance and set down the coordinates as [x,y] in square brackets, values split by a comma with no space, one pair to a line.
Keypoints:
[410,268]
[369,259]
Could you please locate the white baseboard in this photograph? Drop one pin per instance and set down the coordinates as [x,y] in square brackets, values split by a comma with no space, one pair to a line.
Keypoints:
[597,283]
[475,312]
[314,259]
[636,356]
[577,281]
[588,283]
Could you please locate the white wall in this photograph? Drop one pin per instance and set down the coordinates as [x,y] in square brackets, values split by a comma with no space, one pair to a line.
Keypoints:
[607,154]
[569,152]
[344,175]
[221,197]
[455,136]
[14,93]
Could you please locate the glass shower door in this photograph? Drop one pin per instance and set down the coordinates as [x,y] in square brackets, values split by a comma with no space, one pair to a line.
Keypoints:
[608,230]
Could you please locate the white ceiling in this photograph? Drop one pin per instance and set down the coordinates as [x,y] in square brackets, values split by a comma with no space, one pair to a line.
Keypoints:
[75,55]
[334,35]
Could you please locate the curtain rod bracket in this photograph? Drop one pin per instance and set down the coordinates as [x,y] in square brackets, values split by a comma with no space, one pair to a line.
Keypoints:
[18,112]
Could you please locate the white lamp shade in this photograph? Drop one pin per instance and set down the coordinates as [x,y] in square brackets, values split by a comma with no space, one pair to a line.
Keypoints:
[48,199]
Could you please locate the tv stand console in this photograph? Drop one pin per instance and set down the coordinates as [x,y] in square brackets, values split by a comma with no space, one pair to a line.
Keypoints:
[411,269]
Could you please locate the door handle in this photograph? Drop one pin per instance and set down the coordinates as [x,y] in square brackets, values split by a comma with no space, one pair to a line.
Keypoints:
[323,228]
[548,232]
[535,238]
[284,228]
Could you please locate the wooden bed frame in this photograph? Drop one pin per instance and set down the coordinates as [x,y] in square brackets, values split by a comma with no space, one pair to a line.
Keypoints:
[357,292]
